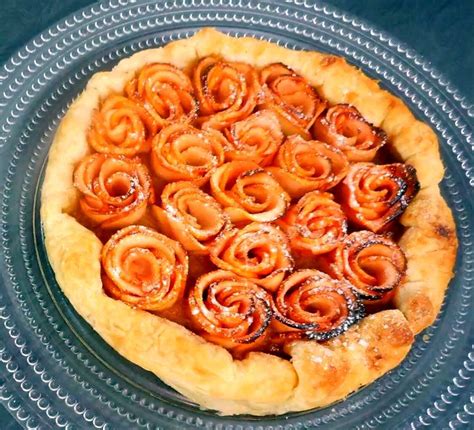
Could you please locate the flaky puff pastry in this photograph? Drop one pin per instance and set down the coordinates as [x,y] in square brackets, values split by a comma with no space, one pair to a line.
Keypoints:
[317,374]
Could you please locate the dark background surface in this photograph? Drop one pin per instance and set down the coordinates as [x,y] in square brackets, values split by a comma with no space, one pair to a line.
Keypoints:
[440,30]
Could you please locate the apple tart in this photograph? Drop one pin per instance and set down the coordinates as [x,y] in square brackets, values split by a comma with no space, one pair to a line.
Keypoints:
[259,227]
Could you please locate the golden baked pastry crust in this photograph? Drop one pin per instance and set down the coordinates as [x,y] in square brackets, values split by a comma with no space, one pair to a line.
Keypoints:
[317,374]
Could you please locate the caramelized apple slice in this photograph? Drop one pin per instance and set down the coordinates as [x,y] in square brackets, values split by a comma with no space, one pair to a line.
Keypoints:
[311,304]
[256,138]
[115,190]
[372,263]
[258,252]
[144,268]
[121,127]
[344,127]
[227,92]
[229,310]
[374,195]
[315,224]
[302,166]
[293,100]
[181,152]
[248,192]
[190,216]
[165,92]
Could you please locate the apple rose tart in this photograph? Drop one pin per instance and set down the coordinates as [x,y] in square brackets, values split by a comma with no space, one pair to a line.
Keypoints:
[261,228]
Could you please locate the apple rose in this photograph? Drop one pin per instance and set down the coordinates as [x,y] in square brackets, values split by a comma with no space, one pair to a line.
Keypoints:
[190,216]
[256,138]
[258,252]
[289,95]
[372,263]
[115,189]
[121,127]
[315,224]
[144,268]
[229,310]
[248,192]
[165,92]
[181,152]
[374,195]
[301,166]
[227,92]
[345,128]
[315,306]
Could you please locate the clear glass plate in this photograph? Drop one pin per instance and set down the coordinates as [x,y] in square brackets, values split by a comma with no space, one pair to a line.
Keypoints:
[56,372]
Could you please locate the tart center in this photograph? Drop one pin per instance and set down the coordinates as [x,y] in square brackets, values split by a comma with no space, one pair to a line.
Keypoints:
[243,204]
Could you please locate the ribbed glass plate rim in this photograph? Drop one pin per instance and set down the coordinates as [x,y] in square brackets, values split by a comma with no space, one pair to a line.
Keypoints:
[455,107]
